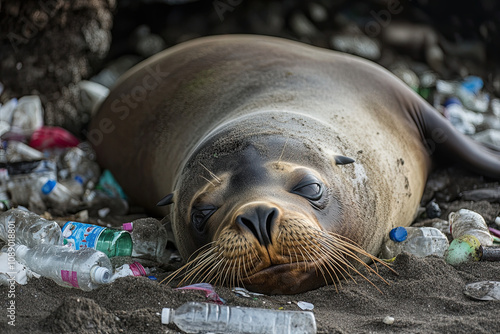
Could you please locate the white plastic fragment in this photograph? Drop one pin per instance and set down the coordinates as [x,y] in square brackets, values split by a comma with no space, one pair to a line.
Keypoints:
[485,290]
[388,320]
[305,305]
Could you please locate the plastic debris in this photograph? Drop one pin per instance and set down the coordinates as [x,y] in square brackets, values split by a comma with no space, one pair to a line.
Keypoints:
[419,241]
[208,289]
[132,269]
[245,293]
[85,269]
[305,306]
[485,290]
[29,228]
[48,137]
[149,238]
[463,249]
[388,320]
[10,269]
[28,115]
[111,242]
[203,317]
[466,222]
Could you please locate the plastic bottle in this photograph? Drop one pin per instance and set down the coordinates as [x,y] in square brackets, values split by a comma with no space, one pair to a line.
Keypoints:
[110,241]
[57,195]
[149,238]
[419,241]
[28,228]
[85,269]
[466,222]
[203,317]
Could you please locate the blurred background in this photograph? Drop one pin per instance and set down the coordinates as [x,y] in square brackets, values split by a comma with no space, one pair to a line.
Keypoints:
[47,47]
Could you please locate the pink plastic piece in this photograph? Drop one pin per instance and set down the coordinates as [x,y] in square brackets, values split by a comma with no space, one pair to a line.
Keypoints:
[208,289]
[128,227]
[52,137]
[495,232]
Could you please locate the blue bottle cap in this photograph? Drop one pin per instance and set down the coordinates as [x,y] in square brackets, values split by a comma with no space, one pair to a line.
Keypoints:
[48,186]
[452,100]
[398,234]
[153,278]
[78,179]
[473,84]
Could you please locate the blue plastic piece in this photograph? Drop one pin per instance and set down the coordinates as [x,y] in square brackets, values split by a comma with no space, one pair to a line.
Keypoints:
[452,100]
[48,186]
[398,234]
[473,84]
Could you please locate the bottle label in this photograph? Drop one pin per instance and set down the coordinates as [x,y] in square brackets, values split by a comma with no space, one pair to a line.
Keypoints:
[70,277]
[80,235]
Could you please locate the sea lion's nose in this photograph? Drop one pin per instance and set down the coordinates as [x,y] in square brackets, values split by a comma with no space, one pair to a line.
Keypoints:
[259,219]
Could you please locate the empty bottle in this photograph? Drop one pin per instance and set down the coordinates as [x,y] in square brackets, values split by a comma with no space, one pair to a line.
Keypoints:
[57,195]
[28,228]
[110,241]
[203,317]
[466,222]
[419,241]
[149,238]
[85,269]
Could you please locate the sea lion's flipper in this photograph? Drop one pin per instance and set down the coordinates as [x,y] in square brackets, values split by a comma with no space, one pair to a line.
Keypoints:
[444,142]
[166,200]
[341,160]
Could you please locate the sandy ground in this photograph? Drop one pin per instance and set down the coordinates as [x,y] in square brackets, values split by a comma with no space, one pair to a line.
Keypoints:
[425,296]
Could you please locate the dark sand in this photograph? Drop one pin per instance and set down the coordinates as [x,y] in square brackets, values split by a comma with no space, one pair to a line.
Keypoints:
[425,297]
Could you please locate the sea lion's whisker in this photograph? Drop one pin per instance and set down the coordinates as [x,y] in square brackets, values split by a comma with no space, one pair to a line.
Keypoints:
[207,180]
[283,150]
[215,177]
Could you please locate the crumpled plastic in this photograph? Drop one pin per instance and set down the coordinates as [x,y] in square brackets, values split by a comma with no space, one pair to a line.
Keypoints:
[209,291]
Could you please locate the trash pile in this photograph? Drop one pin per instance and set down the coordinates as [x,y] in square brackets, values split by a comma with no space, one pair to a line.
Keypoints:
[43,167]
[76,255]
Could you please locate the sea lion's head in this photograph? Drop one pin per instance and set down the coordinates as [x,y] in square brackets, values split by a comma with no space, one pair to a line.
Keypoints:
[265,208]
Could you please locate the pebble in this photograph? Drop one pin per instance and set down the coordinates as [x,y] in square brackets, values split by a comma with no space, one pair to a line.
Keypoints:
[388,320]
[433,210]
[497,221]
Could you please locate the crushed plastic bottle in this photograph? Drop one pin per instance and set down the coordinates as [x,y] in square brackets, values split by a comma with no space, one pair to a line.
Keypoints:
[110,241]
[57,195]
[81,171]
[10,269]
[195,317]
[149,238]
[132,269]
[419,241]
[28,228]
[466,222]
[85,269]
[28,115]
[19,151]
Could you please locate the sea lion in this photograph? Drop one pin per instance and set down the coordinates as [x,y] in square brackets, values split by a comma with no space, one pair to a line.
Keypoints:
[285,164]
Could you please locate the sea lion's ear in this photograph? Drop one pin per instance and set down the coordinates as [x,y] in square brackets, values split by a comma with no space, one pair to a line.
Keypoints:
[341,160]
[167,200]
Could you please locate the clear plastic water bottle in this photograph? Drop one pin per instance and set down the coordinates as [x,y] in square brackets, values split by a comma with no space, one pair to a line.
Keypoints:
[111,242]
[419,241]
[466,222]
[57,195]
[29,228]
[75,185]
[203,317]
[149,238]
[85,269]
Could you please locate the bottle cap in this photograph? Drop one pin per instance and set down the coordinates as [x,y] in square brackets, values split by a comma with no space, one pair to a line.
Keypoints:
[452,100]
[48,186]
[78,179]
[398,234]
[101,275]
[128,227]
[165,315]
